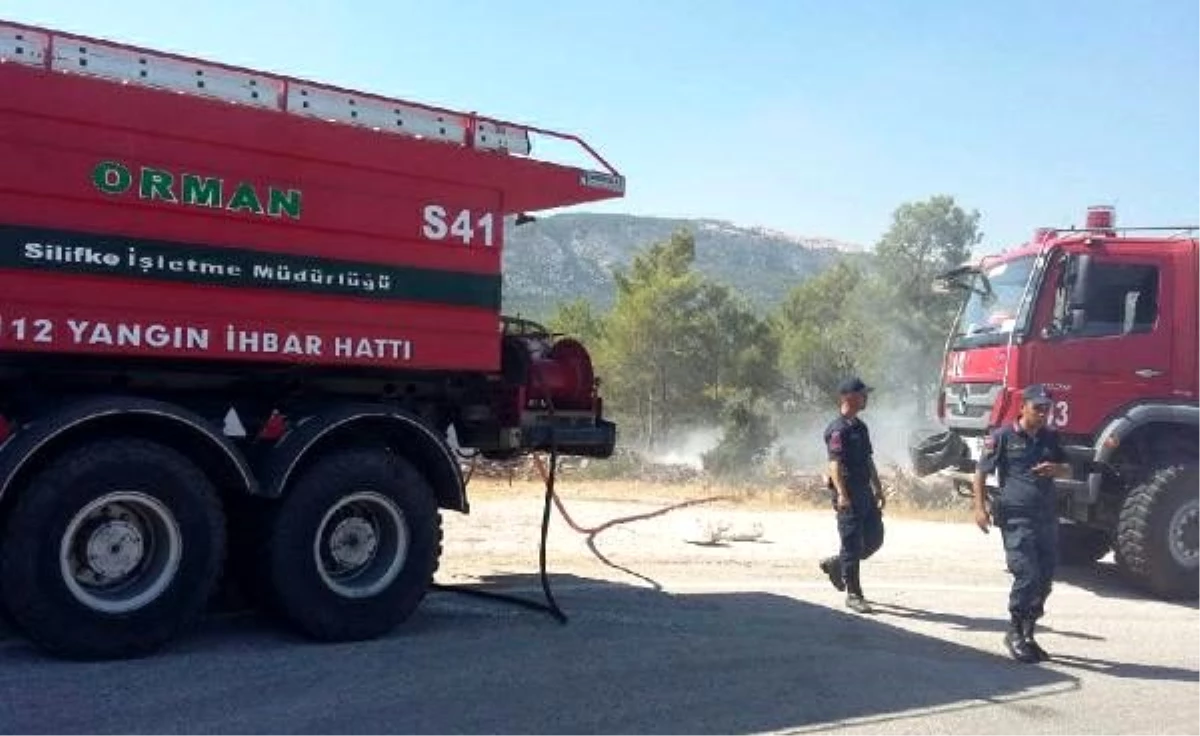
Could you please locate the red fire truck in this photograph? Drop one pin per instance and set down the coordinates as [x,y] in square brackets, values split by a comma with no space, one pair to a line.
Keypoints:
[1107,318]
[240,314]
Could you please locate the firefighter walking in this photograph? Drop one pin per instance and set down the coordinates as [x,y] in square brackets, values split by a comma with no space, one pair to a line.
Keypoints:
[856,493]
[1026,457]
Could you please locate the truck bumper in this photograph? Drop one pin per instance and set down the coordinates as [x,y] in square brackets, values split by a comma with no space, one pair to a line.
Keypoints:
[597,440]
[1076,497]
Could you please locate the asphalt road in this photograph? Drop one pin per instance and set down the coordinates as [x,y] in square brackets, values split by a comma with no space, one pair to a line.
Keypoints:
[729,651]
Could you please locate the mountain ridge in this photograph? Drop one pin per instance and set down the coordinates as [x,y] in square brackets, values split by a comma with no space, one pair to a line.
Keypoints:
[570,255]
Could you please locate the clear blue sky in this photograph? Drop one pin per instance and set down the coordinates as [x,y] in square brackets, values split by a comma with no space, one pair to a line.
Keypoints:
[816,118]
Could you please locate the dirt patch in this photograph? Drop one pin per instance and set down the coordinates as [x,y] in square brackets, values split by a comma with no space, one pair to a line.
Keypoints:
[649,531]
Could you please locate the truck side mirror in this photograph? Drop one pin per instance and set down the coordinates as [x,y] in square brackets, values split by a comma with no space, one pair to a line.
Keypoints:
[1079,269]
[1078,319]
[1076,282]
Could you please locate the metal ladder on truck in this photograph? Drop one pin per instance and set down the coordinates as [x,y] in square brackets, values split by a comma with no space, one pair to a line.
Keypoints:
[73,54]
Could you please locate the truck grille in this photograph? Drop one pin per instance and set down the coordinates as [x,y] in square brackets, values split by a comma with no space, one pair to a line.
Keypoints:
[969,405]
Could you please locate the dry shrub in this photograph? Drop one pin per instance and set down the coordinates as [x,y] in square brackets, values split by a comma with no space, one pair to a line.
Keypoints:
[930,493]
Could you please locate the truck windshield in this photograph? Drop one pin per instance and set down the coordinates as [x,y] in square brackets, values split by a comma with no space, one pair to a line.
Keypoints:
[993,303]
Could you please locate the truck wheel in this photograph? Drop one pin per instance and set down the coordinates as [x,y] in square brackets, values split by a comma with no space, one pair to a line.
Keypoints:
[1081,545]
[353,546]
[1157,533]
[930,452]
[112,550]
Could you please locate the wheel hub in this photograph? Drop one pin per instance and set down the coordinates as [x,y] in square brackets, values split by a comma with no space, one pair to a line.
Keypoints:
[353,542]
[361,544]
[120,552]
[1184,534]
[114,549]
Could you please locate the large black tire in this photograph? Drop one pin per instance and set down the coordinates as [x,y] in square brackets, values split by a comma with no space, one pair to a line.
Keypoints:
[1157,533]
[1081,545]
[930,451]
[133,511]
[370,512]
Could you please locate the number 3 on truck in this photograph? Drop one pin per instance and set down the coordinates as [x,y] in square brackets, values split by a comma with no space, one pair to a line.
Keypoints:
[1059,415]
[464,225]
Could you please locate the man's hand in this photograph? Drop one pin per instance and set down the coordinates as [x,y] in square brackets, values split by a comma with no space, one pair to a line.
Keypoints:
[843,502]
[877,486]
[983,519]
[1050,470]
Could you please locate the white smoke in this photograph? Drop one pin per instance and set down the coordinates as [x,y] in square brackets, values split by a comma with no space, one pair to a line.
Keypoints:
[689,446]
[891,423]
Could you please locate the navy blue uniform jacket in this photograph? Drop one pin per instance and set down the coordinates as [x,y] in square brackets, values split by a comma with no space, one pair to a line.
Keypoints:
[1012,453]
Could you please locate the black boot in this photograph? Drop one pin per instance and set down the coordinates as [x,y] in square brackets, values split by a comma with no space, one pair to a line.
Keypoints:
[1014,639]
[855,600]
[1027,627]
[832,566]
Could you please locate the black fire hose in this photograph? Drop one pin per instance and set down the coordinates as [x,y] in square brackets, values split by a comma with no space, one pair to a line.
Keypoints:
[551,606]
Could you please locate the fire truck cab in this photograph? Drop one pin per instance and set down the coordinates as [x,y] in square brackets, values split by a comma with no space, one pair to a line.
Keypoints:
[1106,317]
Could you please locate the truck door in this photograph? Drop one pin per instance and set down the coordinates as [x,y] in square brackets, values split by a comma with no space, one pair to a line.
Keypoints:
[1104,344]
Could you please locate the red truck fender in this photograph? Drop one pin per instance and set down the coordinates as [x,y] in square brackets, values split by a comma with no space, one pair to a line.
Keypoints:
[393,427]
[1117,431]
[34,443]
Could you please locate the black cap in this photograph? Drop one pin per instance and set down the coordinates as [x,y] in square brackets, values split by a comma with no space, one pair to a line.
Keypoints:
[1037,393]
[853,385]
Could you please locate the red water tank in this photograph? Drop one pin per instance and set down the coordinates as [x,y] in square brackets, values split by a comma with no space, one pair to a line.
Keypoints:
[564,376]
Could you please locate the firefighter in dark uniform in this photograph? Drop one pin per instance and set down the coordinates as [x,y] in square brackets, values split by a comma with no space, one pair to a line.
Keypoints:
[856,493]
[1026,457]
